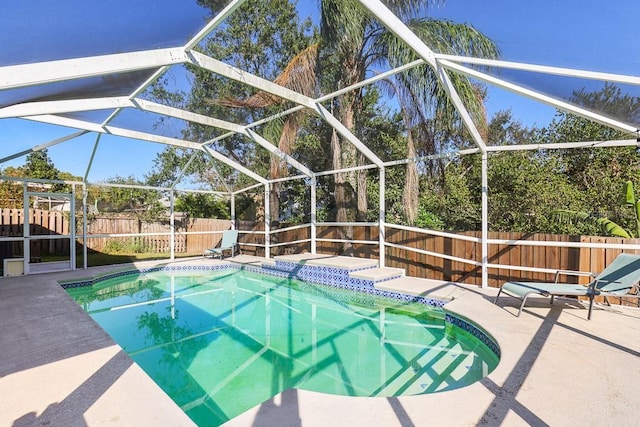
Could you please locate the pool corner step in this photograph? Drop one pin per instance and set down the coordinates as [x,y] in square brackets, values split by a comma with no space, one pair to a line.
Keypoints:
[378,274]
[268,263]
[439,289]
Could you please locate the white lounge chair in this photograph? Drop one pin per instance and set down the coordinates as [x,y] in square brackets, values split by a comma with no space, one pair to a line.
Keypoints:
[618,279]
[229,242]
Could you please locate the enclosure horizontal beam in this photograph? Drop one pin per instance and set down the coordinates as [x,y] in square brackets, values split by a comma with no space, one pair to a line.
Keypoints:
[558,71]
[288,178]
[234,73]
[565,145]
[347,224]
[15,76]
[293,242]
[224,159]
[178,113]
[563,244]
[343,170]
[134,186]
[63,106]
[112,130]
[277,152]
[359,242]
[251,187]
[293,227]
[43,146]
[565,106]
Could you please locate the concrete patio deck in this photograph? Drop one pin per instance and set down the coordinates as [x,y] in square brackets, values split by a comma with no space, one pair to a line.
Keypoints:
[58,368]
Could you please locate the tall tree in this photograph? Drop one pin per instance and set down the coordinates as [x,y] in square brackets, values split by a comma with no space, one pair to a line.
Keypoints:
[298,75]
[598,173]
[359,42]
[261,38]
[39,165]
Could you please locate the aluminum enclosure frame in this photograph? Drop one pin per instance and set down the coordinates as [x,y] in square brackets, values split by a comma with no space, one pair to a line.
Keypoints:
[160,60]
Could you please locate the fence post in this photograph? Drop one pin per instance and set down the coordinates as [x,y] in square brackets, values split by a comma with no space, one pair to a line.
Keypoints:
[381,218]
[485,221]
[233,211]
[25,227]
[313,207]
[172,228]
[267,220]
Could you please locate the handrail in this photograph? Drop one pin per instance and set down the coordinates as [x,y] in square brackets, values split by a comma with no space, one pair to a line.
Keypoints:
[434,232]
[346,224]
[293,242]
[364,242]
[563,244]
[293,227]
[435,254]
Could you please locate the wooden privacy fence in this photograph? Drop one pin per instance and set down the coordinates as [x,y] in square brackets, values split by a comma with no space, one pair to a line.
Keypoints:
[49,223]
[417,264]
[184,241]
[41,223]
[559,257]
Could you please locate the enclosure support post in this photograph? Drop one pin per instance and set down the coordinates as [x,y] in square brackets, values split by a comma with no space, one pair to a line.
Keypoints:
[233,211]
[267,220]
[485,221]
[381,218]
[313,207]
[72,228]
[172,227]
[85,261]
[26,251]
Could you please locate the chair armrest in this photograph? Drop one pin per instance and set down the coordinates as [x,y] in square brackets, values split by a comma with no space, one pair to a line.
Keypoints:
[572,273]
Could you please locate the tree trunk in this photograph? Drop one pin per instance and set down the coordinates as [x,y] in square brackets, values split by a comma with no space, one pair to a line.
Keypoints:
[279,167]
[362,191]
[410,194]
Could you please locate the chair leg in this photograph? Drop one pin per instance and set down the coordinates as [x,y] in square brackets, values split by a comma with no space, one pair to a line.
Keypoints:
[524,300]
[497,296]
[591,297]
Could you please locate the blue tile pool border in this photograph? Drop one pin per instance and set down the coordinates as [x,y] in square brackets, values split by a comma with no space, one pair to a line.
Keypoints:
[328,276]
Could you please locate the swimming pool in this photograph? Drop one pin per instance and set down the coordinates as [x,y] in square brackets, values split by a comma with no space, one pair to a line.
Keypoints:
[220,342]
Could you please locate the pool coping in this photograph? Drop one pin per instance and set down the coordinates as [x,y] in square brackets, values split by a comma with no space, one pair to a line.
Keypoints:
[550,370]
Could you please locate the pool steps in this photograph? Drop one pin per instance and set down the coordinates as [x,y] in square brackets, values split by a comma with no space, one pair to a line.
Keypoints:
[348,267]
[378,274]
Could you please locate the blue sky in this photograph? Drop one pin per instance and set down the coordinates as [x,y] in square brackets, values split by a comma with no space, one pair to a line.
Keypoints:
[600,36]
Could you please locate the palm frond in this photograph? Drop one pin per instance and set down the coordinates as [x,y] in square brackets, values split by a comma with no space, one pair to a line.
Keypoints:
[567,216]
[299,75]
[422,82]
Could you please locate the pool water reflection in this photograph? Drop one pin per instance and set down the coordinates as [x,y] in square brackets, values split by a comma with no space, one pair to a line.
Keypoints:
[222,342]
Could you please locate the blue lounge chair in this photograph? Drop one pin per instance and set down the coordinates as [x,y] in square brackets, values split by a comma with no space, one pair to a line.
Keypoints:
[229,242]
[620,277]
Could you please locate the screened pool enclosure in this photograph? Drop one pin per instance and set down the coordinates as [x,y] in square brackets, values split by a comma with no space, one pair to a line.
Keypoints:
[94,85]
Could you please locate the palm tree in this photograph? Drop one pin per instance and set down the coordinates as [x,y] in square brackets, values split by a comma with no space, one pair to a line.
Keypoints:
[298,75]
[358,43]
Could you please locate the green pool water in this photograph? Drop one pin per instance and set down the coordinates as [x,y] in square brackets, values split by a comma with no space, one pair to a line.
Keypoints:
[222,342]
